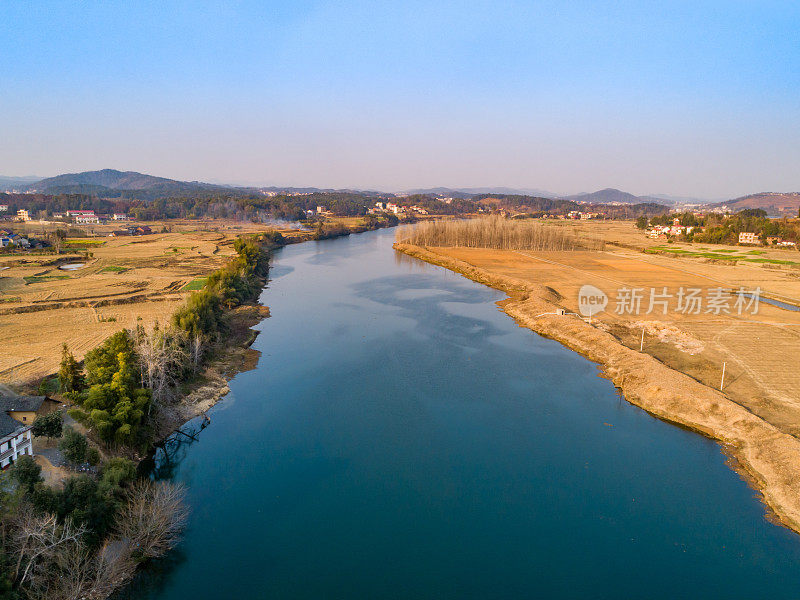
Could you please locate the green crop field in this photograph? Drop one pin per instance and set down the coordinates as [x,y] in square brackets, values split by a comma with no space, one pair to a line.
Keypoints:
[194,285]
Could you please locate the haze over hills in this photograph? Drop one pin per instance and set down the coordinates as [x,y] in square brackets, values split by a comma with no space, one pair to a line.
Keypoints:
[108,180]
[775,203]
[17,182]
[477,191]
[605,196]
[111,183]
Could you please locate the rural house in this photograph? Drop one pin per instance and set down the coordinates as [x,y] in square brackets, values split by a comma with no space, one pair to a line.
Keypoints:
[25,409]
[747,237]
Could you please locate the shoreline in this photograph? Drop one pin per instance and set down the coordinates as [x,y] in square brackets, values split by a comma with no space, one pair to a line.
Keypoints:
[235,355]
[759,452]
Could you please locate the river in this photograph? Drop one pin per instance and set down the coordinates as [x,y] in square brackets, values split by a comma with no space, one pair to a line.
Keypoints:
[401,437]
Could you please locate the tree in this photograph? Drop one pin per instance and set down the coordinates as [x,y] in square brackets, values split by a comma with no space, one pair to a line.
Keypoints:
[27,472]
[70,378]
[641,222]
[103,362]
[73,445]
[153,517]
[49,425]
[37,541]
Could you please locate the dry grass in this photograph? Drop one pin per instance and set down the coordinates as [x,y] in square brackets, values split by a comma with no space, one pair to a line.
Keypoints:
[125,281]
[760,350]
[497,233]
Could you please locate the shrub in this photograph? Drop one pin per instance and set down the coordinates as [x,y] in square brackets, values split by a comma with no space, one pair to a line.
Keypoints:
[73,445]
[27,472]
[49,425]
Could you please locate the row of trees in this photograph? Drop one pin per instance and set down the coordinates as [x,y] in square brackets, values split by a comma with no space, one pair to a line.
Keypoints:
[497,232]
[246,206]
[126,380]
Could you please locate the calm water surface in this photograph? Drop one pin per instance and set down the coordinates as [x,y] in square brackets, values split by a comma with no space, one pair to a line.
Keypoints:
[403,438]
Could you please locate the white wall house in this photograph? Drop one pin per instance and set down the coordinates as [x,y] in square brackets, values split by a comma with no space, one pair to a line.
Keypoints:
[746,237]
[15,441]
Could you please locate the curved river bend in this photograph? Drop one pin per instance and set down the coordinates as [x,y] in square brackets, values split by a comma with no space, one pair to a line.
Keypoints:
[403,438]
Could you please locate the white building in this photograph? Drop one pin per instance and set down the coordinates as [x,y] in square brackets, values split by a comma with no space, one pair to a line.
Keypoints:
[15,436]
[22,215]
[746,237]
[3,207]
[119,217]
[87,219]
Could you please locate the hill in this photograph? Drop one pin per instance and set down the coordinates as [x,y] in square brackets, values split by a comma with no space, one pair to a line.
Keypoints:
[610,195]
[112,183]
[775,203]
[481,191]
[15,183]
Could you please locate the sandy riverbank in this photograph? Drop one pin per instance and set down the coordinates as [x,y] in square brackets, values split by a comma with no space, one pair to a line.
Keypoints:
[766,456]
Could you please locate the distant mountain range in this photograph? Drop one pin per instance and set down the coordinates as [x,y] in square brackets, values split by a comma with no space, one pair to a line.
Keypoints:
[605,196]
[110,183]
[478,191]
[17,182]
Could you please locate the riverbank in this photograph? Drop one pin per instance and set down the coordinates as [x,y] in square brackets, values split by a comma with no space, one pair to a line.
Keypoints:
[765,455]
[234,355]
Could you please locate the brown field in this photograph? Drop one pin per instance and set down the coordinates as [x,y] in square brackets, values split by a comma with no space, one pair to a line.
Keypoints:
[124,281]
[759,350]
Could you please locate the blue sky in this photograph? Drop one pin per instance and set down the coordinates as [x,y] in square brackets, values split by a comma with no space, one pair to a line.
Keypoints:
[685,98]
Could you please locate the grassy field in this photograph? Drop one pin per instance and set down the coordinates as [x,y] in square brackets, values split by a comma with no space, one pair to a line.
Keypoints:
[122,282]
[759,350]
[195,284]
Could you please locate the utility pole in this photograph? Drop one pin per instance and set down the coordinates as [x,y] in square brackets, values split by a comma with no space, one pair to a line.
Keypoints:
[721,383]
[641,345]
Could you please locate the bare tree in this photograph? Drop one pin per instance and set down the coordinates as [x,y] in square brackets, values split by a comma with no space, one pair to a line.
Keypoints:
[162,357]
[38,540]
[153,517]
[497,232]
[197,347]
[62,567]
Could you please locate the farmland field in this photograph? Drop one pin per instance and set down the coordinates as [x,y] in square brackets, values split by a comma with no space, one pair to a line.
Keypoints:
[758,350]
[82,296]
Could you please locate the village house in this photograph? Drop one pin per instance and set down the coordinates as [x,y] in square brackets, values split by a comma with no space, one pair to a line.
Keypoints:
[22,215]
[746,237]
[3,207]
[19,241]
[140,230]
[87,219]
[17,415]
[80,213]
